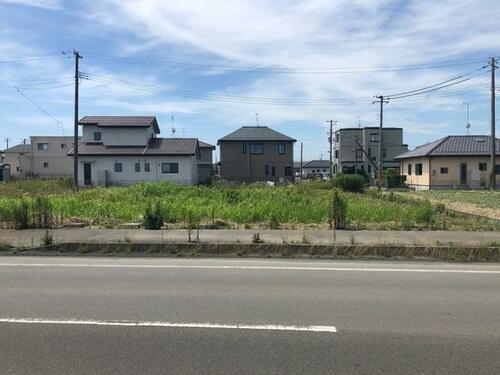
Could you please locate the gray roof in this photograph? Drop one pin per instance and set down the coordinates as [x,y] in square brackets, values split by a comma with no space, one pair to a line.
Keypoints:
[157,146]
[22,148]
[318,164]
[454,145]
[121,121]
[255,133]
[205,145]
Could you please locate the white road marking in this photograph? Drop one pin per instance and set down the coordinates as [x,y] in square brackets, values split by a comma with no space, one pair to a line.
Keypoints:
[127,323]
[217,267]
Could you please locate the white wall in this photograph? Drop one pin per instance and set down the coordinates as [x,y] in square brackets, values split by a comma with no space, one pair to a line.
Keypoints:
[119,136]
[187,169]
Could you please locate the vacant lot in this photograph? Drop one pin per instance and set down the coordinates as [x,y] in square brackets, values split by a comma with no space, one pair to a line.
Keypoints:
[480,202]
[54,203]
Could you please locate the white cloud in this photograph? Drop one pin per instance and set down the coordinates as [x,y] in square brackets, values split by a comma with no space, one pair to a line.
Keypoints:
[48,4]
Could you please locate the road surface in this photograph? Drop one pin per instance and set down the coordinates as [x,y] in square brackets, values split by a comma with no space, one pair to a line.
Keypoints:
[242,316]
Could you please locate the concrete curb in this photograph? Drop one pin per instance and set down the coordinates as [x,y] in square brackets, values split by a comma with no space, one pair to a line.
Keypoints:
[446,253]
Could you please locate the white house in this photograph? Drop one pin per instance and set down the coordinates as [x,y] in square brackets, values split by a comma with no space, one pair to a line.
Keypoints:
[125,149]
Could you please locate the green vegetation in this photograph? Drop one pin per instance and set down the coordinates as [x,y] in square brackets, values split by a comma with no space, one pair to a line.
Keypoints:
[393,179]
[338,211]
[53,203]
[153,216]
[353,183]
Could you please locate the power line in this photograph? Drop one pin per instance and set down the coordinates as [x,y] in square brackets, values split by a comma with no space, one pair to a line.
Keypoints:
[41,109]
[274,69]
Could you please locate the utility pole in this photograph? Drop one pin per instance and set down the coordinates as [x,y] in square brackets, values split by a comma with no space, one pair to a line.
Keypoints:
[382,101]
[330,140]
[493,124]
[355,147]
[75,139]
[7,142]
[301,159]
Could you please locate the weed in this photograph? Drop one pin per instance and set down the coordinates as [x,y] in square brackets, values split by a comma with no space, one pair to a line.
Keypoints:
[128,239]
[47,238]
[305,240]
[352,240]
[4,246]
[338,211]
[256,238]
[153,216]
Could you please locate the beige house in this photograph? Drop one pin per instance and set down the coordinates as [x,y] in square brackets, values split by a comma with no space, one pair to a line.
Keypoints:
[452,162]
[14,157]
[256,153]
[49,157]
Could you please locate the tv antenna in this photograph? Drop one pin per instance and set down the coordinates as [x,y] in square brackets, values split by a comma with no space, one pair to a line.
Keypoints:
[467,124]
[257,119]
[173,127]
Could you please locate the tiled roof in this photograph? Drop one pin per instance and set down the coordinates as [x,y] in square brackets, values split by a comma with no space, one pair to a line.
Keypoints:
[121,121]
[22,148]
[205,145]
[157,146]
[455,145]
[318,164]
[255,133]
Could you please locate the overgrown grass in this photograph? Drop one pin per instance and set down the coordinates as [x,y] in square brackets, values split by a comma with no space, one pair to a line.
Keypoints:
[286,206]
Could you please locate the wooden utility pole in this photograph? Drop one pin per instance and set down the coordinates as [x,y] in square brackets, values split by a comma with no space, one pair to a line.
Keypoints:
[493,125]
[301,159]
[330,140]
[382,101]
[75,139]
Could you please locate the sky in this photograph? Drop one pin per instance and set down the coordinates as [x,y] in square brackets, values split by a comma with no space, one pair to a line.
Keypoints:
[214,64]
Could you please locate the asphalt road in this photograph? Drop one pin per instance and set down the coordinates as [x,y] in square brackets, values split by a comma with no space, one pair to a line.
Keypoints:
[241,316]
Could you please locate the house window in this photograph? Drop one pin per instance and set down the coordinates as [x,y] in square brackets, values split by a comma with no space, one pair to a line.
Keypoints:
[244,148]
[42,146]
[146,167]
[256,149]
[169,167]
[324,170]
[281,148]
[137,167]
[63,145]
[369,151]
[118,167]
[266,169]
[97,136]
[288,171]
[17,169]
[374,137]
[384,153]
[336,154]
[369,168]
[359,153]
[313,171]
[273,171]
[483,167]
[45,165]
[409,169]
[418,169]
[444,170]
[497,169]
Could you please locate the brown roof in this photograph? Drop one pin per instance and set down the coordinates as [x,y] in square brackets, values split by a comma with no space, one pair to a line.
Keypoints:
[205,145]
[157,146]
[121,121]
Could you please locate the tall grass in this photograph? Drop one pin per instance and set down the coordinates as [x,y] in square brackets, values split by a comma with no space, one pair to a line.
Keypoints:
[258,205]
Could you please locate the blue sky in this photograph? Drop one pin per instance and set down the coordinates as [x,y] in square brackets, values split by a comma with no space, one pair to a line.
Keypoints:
[173,55]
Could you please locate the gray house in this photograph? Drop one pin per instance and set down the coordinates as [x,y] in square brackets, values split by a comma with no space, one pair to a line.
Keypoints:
[350,155]
[205,162]
[15,156]
[256,153]
[125,149]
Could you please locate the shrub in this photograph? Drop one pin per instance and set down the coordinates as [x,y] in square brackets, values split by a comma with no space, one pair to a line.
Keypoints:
[153,217]
[393,179]
[21,214]
[338,211]
[351,183]
[424,213]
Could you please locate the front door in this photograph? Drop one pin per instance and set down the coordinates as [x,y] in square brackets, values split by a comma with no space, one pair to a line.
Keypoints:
[463,173]
[87,174]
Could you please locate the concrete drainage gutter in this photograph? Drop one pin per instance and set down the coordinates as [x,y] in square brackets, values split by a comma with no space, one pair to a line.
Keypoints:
[446,253]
